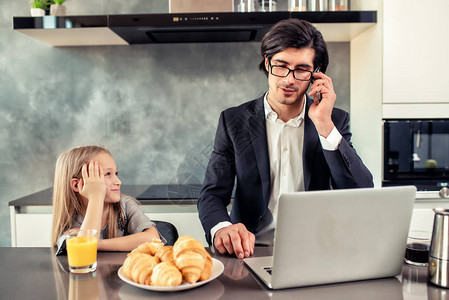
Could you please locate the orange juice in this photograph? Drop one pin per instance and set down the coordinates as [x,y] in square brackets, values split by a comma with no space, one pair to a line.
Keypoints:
[82,251]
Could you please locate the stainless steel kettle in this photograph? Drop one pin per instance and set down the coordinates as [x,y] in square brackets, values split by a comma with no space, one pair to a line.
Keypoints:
[439,249]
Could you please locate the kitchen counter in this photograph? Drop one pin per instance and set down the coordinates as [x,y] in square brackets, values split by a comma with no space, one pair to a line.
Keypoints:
[153,194]
[164,194]
[31,216]
[35,273]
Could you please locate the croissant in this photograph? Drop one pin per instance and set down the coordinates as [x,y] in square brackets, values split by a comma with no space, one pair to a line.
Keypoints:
[166,274]
[165,253]
[149,247]
[190,258]
[139,267]
[207,271]
[128,264]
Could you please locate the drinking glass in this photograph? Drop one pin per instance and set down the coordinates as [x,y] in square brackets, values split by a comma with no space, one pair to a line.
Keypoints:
[418,246]
[82,250]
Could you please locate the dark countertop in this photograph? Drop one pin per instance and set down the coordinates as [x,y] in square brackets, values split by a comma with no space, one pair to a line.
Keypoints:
[153,194]
[35,273]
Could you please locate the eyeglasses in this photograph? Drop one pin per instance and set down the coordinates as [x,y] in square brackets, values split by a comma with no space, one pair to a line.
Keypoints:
[298,74]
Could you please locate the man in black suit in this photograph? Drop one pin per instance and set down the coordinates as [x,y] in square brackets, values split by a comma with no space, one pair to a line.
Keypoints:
[284,141]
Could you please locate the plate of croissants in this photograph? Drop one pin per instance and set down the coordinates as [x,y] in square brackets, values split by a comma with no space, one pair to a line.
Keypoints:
[183,266]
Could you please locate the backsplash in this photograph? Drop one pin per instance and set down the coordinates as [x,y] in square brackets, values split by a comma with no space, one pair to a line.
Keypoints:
[155,106]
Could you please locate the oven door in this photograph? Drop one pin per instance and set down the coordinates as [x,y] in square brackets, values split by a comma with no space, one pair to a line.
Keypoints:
[416,152]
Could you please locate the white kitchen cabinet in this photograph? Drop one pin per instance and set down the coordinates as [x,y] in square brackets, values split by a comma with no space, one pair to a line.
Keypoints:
[415,110]
[415,55]
[423,215]
[33,230]
[366,90]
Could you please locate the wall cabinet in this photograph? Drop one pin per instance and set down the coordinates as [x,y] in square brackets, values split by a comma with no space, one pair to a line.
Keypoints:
[415,59]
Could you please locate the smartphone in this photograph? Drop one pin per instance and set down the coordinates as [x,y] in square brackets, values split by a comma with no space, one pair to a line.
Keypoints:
[313,80]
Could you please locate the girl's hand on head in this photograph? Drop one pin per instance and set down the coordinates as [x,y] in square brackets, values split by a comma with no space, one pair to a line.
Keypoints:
[92,184]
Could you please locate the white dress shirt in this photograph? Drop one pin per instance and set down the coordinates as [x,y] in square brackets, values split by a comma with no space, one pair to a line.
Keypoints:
[285,147]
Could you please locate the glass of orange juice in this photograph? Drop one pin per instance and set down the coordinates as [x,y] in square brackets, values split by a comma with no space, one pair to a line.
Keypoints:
[82,250]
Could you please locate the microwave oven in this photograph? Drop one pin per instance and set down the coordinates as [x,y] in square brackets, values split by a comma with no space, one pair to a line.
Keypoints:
[416,152]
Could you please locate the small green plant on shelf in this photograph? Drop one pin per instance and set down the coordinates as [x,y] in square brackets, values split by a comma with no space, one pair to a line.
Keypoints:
[42,4]
[57,7]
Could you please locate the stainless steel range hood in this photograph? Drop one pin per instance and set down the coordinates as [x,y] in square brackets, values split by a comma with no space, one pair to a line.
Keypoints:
[216,27]
[183,28]
[189,34]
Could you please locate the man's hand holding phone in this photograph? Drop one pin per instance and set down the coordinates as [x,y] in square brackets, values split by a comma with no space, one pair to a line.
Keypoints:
[320,112]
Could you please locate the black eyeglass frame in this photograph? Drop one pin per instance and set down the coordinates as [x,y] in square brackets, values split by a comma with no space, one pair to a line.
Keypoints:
[289,71]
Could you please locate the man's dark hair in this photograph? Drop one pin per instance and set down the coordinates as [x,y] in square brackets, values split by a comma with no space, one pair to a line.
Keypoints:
[294,33]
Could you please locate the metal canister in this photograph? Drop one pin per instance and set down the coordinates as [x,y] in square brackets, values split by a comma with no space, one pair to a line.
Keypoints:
[338,5]
[297,5]
[439,249]
[267,5]
[317,5]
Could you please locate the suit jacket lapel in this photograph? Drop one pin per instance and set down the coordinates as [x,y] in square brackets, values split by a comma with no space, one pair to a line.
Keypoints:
[311,141]
[258,134]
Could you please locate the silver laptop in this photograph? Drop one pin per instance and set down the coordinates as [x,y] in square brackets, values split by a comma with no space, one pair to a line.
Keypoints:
[335,236]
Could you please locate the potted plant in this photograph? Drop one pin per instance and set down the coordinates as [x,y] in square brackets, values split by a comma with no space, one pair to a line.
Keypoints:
[37,8]
[57,8]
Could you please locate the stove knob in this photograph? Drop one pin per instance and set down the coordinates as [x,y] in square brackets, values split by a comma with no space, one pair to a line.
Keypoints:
[444,192]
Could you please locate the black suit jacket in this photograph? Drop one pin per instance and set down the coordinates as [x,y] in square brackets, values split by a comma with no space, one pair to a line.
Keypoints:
[240,158]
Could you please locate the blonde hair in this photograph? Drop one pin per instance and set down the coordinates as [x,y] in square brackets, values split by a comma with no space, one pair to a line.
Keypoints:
[67,204]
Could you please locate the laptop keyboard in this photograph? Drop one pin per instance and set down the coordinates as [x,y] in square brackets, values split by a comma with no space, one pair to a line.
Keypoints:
[268,269]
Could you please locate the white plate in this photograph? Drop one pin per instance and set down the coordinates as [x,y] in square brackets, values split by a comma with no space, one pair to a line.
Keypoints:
[217,269]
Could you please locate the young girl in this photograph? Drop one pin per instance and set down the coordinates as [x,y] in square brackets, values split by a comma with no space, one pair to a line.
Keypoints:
[86,195]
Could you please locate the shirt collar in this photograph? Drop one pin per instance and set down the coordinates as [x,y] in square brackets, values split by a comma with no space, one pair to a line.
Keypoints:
[270,114]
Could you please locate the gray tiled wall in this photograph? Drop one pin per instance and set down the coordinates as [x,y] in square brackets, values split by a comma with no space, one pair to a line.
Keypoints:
[154,106]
